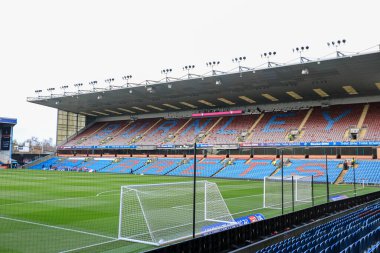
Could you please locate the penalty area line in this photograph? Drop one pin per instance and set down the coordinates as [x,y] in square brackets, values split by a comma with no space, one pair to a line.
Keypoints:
[100,193]
[88,246]
[56,227]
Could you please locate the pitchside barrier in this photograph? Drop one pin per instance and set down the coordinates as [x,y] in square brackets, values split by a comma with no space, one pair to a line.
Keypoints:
[238,237]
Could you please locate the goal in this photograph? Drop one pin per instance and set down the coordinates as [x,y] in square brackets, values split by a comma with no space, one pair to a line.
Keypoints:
[162,213]
[296,188]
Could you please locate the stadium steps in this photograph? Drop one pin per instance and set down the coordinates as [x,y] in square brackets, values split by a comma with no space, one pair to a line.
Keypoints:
[116,134]
[139,168]
[38,161]
[346,135]
[179,164]
[176,134]
[339,179]
[212,127]
[72,137]
[254,125]
[307,116]
[302,125]
[363,116]
[150,128]
[362,133]
[275,171]
[112,163]
[248,161]
[85,138]
[105,167]
[225,166]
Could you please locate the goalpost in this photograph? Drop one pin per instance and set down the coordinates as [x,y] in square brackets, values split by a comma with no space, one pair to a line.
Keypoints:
[158,214]
[296,188]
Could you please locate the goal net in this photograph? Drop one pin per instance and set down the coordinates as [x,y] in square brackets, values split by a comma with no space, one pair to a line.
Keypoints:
[162,213]
[296,188]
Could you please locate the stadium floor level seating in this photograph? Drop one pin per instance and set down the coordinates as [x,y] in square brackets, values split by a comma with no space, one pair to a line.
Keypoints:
[367,171]
[355,232]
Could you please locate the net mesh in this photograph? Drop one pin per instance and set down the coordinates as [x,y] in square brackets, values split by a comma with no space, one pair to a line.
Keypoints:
[162,213]
[299,187]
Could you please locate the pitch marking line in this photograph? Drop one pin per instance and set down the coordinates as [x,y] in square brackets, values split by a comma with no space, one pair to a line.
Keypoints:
[88,246]
[56,227]
[52,200]
[26,178]
[100,193]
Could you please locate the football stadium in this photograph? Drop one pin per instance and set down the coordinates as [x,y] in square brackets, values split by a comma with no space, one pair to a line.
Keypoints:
[251,159]
[280,157]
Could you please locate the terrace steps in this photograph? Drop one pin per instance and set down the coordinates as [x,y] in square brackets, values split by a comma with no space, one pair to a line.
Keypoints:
[92,134]
[301,126]
[118,132]
[212,127]
[307,116]
[363,116]
[248,161]
[219,170]
[339,179]
[141,167]
[254,125]
[176,134]
[362,133]
[179,164]
[105,167]
[150,128]
[275,171]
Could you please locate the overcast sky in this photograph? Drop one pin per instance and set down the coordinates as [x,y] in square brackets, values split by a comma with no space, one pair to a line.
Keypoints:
[53,43]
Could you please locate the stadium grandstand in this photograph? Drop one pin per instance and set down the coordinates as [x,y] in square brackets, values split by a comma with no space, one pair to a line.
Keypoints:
[283,157]
[313,127]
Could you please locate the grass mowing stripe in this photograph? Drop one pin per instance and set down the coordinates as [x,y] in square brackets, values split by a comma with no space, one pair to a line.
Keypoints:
[89,246]
[56,227]
[89,202]
[52,200]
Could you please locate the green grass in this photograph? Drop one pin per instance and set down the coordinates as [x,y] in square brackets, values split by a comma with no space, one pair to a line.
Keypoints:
[49,211]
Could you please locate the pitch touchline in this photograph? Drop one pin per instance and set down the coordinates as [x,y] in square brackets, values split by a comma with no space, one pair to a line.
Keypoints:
[56,227]
[88,246]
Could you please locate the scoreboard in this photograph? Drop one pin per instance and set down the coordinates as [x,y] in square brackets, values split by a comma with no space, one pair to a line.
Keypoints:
[5,138]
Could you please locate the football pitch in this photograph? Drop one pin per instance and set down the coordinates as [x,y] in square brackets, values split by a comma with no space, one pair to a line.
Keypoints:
[51,211]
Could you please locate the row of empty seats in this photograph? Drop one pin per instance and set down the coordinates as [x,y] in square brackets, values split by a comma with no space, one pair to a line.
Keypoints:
[355,232]
[367,171]
[315,168]
[314,125]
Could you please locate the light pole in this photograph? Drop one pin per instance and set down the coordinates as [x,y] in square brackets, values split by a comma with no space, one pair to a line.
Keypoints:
[93,83]
[188,68]
[166,72]
[38,92]
[64,88]
[126,78]
[51,91]
[212,64]
[238,60]
[78,85]
[109,81]
[268,55]
[337,44]
[300,50]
